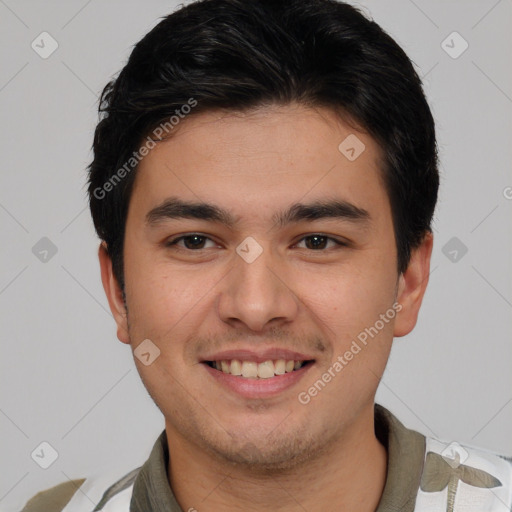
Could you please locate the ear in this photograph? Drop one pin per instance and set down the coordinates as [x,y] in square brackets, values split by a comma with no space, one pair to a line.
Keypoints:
[412,285]
[113,293]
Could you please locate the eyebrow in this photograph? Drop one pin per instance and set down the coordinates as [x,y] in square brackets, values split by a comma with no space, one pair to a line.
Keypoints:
[175,208]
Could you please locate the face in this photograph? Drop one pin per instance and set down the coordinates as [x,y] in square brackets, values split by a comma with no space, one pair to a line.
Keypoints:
[287,277]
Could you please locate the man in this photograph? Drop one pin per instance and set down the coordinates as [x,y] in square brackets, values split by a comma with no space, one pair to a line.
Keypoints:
[263,183]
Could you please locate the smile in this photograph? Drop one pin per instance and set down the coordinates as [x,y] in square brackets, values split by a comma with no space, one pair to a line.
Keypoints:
[264,379]
[255,370]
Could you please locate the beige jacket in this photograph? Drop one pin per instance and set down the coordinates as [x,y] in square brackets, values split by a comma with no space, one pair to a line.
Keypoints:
[424,475]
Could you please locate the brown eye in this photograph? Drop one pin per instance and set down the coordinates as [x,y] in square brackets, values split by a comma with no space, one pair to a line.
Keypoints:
[192,242]
[318,242]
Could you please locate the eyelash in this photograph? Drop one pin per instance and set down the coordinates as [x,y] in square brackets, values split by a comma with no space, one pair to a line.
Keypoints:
[174,241]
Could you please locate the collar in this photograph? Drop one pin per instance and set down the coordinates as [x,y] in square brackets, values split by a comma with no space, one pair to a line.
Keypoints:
[405,448]
[406,455]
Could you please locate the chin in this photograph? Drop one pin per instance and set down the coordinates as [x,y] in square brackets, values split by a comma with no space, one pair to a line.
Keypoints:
[268,454]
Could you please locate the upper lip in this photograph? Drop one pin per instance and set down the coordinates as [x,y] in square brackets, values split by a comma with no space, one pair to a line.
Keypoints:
[257,356]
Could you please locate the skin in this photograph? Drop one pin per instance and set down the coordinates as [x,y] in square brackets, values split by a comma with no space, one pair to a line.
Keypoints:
[320,456]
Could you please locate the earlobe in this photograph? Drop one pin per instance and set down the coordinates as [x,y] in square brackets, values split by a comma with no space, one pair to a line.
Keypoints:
[412,286]
[114,293]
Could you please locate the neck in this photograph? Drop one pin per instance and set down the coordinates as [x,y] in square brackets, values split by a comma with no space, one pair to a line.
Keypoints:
[349,475]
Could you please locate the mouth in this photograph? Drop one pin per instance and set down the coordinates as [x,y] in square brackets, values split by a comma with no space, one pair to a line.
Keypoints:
[257,373]
[247,369]
[253,376]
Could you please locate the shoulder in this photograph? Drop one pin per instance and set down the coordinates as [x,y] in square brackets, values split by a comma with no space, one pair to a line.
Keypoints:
[108,492]
[464,476]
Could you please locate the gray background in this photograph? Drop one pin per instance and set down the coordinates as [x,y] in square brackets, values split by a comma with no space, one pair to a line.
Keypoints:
[67,380]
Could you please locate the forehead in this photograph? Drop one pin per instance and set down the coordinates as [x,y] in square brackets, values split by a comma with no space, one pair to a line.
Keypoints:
[261,160]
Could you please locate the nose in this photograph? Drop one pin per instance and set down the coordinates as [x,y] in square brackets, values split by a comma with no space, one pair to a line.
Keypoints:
[257,294]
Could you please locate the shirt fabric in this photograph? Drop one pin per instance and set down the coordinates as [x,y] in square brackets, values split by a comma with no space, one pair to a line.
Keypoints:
[423,475]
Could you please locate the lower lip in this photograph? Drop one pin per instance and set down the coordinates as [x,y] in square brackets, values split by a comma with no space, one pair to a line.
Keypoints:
[258,388]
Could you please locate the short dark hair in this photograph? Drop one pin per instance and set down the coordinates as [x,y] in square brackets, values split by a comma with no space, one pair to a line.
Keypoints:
[238,55]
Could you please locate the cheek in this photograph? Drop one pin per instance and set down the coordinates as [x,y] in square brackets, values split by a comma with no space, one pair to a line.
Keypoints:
[349,305]
[349,295]
[164,302]
[156,299]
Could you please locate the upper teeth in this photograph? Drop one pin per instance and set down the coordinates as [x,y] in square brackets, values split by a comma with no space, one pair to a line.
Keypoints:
[253,370]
